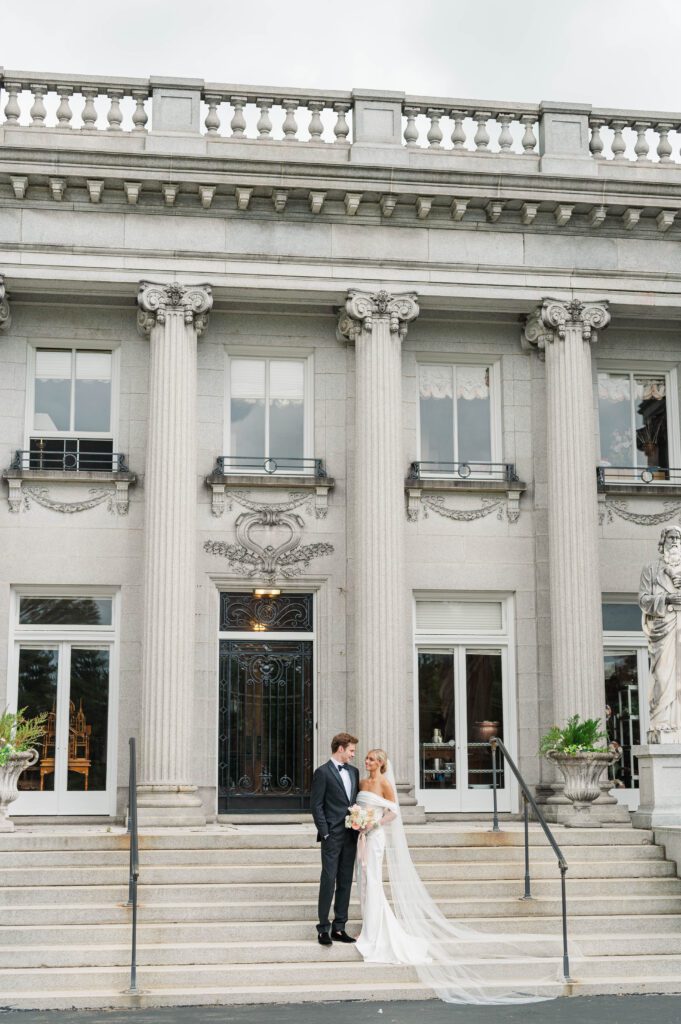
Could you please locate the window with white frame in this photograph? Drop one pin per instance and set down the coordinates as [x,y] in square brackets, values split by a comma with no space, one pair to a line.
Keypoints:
[71,411]
[457,416]
[269,413]
[635,423]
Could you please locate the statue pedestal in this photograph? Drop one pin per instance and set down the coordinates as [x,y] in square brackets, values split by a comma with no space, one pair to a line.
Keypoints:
[659,768]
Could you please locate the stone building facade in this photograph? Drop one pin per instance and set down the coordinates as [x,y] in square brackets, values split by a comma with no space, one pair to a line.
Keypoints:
[408,367]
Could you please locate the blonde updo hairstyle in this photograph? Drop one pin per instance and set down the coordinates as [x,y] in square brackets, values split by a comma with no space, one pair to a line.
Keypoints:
[381,757]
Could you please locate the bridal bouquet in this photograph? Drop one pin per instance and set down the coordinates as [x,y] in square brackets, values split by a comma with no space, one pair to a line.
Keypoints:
[361,818]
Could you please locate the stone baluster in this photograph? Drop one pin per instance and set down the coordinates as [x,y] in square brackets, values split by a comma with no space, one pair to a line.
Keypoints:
[411,132]
[264,125]
[38,110]
[212,121]
[619,146]
[5,316]
[458,132]
[434,132]
[482,135]
[596,140]
[565,331]
[173,317]
[89,114]
[341,129]
[238,122]
[664,148]
[12,107]
[377,324]
[316,127]
[139,116]
[64,112]
[115,114]
[290,125]
[641,148]
[529,139]
[505,137]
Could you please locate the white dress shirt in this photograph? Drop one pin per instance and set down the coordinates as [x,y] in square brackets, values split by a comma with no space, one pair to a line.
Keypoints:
[345,776]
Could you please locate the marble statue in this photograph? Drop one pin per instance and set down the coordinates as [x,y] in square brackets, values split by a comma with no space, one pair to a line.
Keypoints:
[660,601]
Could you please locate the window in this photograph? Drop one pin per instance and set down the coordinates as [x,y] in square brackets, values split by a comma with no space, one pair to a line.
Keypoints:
[71,416]
[457,416]
[633,423]
[268,414]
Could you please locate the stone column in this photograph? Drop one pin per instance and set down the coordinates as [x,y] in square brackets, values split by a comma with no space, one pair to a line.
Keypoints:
[173,316]
[377,323]
[5,316]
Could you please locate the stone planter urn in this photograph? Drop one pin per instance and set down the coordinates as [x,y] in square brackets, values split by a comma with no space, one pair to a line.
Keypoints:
[9,783]
[582,773]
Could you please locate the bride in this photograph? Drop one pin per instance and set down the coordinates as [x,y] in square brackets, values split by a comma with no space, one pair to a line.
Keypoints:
[458,963]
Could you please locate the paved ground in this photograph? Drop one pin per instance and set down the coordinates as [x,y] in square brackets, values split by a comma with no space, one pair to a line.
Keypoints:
[584,1010]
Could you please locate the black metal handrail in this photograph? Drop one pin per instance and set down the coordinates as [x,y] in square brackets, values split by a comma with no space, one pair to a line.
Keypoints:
[636,475]
[134,861]
[275,464]
[503,472]
[529,801]
[78,460]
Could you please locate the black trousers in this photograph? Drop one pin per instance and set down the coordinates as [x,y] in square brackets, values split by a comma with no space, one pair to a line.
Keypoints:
[338,861]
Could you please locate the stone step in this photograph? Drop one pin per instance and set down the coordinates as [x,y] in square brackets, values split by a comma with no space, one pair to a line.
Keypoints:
[233,911]
[217,874]
[254,857]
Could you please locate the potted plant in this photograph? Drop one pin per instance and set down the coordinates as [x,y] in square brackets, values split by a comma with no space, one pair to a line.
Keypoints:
[17,736]
[580,756]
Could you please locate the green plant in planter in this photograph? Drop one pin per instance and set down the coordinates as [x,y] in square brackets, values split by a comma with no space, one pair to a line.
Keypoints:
[577,737]
[18,733]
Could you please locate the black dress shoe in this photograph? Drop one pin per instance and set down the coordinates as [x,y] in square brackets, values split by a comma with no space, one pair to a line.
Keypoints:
[324,939]
[342,936]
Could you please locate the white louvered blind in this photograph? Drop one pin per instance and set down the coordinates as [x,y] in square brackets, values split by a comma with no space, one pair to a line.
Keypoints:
[287,379]
[458,616]
[247,378]
[53,364]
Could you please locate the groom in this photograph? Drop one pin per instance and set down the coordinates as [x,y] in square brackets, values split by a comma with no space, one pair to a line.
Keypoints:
[334,789]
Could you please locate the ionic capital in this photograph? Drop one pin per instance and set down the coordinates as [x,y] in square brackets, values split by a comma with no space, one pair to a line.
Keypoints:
[5,315]
[363,309]
[554,319]
[156,301]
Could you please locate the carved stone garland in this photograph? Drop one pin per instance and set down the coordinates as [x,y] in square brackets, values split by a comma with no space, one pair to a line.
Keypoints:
[503,506]
[608,508]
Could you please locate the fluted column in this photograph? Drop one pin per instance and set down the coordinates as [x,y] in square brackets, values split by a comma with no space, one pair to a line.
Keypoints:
[5,316]
[566,331]
[173,316]
[377,323]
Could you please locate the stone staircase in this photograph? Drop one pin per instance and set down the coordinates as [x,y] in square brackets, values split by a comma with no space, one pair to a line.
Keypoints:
[227,913]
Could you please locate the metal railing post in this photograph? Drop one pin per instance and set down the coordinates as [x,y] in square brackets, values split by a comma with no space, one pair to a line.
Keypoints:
[528,894]
[134,861]
[495,818]
[563,898]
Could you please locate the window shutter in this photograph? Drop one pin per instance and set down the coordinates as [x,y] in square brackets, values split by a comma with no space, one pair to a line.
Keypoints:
[287,379]
[53,364]
[247,378]
[458,616]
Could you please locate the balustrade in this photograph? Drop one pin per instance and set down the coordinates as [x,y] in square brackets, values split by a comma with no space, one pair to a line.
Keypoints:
[273,115]
[638,137]
[467,127]
[75,102]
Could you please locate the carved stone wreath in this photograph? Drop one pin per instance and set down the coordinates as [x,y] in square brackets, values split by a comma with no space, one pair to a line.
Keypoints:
[288,559]
[609,508]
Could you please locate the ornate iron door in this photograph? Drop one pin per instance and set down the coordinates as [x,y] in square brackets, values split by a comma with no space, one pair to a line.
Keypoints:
[266,725]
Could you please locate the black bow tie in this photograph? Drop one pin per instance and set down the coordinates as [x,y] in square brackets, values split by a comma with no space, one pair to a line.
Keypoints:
[341,767]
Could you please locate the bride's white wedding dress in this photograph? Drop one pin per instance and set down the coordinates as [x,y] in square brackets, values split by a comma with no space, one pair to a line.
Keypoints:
[460,964]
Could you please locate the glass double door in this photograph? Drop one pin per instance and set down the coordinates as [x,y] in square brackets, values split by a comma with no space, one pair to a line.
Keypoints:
[70,684]
[463,701]
[626,713]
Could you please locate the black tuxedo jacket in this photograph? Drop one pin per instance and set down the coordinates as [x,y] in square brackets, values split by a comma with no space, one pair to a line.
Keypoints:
[328,800]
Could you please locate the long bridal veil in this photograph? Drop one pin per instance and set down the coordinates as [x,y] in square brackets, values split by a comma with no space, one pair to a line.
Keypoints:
[467,966]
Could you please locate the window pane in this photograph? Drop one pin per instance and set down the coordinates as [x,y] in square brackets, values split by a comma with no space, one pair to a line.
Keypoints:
[93,391]
[622,617]
[614,418]
[52,403]
[485,715]
[88,719]
[622,720]
[70,611]
[651,421]
[458,616]
[473,414]
[38,694]
[247,408]
[437,766]
[287,412]
[437,413]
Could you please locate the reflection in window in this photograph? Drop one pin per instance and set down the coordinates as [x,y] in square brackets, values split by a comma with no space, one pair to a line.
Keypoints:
[455,413]
[621,617]
[72,391]
[632,412]
[38,675]
[88,719]
[622,718]
[267,409]
[71,611]
[485,714]
[437,721]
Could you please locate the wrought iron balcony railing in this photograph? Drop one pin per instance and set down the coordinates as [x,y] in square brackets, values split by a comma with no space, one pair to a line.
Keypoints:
[70,456]
[283,465]
[637,475]
[501,472]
